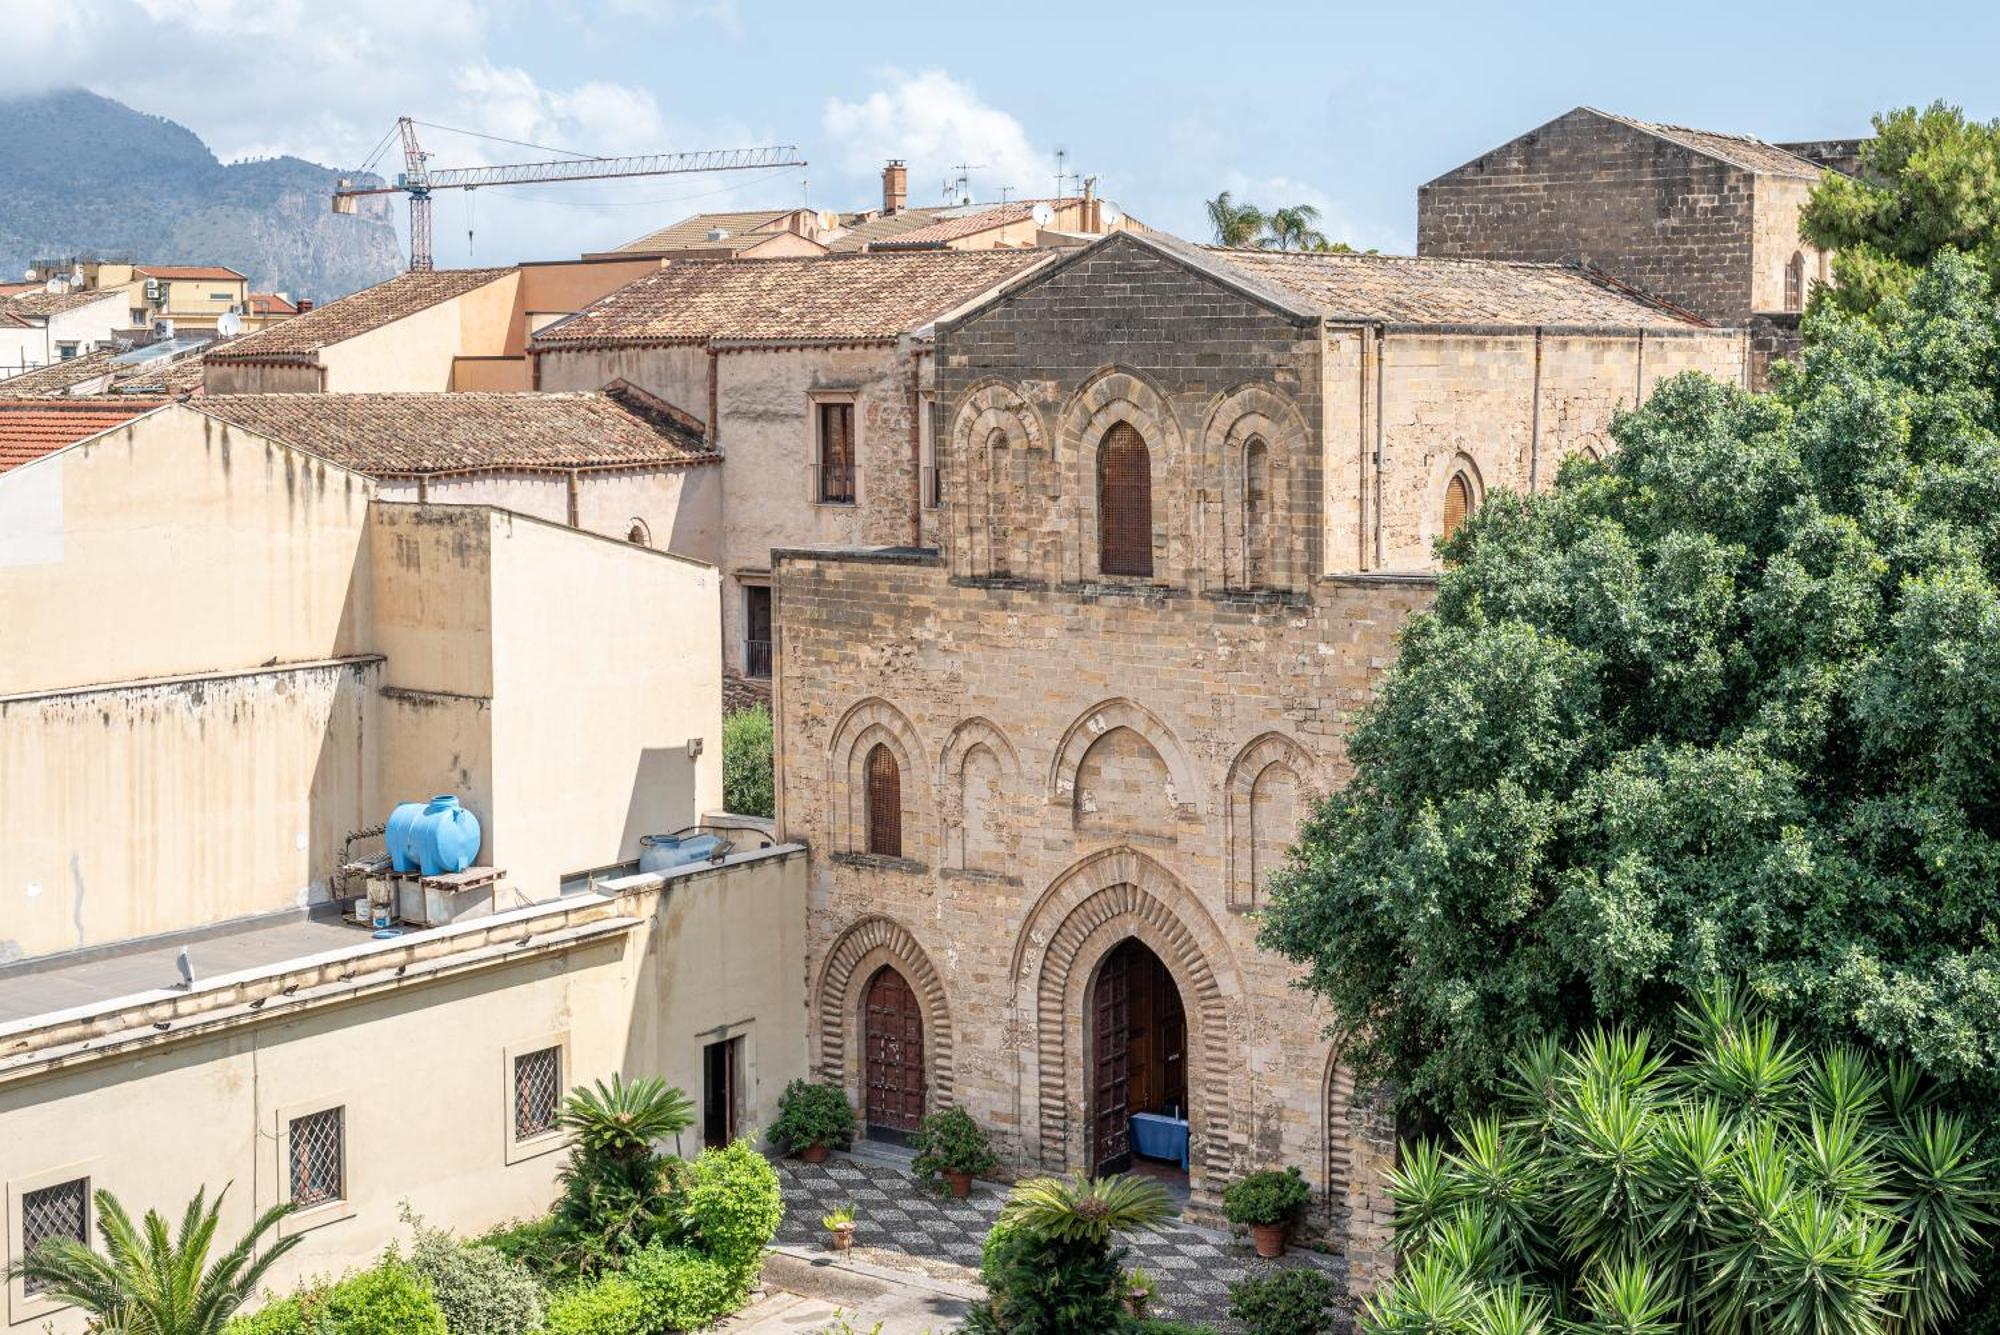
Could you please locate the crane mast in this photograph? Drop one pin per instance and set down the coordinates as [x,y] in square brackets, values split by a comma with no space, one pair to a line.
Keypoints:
[418,180]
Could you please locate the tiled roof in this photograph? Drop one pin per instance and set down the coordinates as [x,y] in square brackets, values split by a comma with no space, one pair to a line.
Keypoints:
[1401,289]
[357,313]
[406,434]
[31,428]
[35,305]
[216,271]
[857,296]
[270,303]
[1738,149]
[57,377]
[867,231]
[950,229]
[692,233]
[173,378]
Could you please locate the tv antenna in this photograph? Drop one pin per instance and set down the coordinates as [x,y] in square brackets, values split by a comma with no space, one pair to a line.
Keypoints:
[962,185]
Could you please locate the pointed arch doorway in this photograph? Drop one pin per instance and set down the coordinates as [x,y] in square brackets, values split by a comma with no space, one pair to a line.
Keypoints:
[892,1038]
[1138,1064]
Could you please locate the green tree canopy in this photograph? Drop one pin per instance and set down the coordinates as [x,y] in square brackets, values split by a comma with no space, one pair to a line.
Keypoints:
[1725,704]
[1930,180]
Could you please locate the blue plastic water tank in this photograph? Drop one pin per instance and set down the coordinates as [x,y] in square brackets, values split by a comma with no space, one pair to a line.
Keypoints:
[663,852]
[432,837]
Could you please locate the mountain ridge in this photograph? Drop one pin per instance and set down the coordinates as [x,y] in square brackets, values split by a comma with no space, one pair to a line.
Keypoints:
[88,176]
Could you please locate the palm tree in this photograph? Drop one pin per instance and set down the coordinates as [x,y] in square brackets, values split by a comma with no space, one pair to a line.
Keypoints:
[146,1281]
[1291,228]
[1235,224]
[623,1121]
[1086,1210]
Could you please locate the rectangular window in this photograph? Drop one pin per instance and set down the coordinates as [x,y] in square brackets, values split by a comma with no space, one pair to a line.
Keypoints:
[222,296]
[756,630]
[138,316]
[66,350]
[537,1092]
[51,1214]
[720,1077]
[836,453]
[318,1167]
[932,486]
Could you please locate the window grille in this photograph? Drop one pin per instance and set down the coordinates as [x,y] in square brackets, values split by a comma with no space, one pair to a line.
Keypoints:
[537,1092]
[318,1158]
[51,1215]
[757,630]
[885,804]
[1124,503]
[836,453]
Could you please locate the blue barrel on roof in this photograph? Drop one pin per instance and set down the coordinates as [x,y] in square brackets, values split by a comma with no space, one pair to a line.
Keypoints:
[433,837]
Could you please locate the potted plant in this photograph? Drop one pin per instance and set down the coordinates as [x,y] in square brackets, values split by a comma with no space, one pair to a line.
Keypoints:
[1267,1202]
[951,1146]
[1139,1288]
[840,1227]
[811,1118]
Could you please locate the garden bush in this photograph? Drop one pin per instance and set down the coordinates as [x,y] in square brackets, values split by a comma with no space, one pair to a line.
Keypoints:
[951,1142]
[616,1188]
[1271,1196]
[812,1114]
[746,762]
[535,1243]
[1289,1302]
[681,1289]
[613,1305]
[729,1207]
[480,1291]
[1049,1263]
[387,1299]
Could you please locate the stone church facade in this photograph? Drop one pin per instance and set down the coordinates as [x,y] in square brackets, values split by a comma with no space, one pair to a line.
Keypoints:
[1046,768]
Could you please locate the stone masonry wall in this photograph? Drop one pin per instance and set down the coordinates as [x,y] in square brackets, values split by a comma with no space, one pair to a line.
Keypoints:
[1023,714]
[1586,187]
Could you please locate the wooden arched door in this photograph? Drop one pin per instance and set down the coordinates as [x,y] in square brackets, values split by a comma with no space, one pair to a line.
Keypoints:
[893,1039]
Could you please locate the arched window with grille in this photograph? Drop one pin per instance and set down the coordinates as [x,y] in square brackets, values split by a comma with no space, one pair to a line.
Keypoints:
[1457,502]
[1256,513]
[1795,283]
[885,803]
[1124,503]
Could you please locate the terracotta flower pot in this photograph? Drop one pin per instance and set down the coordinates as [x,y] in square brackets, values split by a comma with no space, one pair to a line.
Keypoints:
[961,1184]
[1135,1303]
[1270,1239]
[813,1154]
[843,1237]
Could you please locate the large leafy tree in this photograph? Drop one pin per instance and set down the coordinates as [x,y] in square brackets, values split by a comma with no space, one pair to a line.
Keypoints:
[1930,180]
[1725,704]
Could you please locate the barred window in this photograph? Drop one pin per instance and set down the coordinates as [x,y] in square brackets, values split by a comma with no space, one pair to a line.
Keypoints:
[537,1092]
[1124,503]
[53,1214]
[885,803]
[318,1167]
[836,453]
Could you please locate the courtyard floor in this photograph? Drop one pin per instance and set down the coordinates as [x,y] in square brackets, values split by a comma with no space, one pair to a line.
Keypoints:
[1192,1266]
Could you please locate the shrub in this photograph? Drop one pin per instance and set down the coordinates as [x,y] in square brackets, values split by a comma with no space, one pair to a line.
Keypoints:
[615,1185]
[387,1299]
[746,762]
[613,1305]
[951,1142]
[1268,1197]
[1049,1263]
[1156,1326]
[1289,1302]
[535,1243]
[681,1289]
[812,1114]
[729,1207]
[480,1291]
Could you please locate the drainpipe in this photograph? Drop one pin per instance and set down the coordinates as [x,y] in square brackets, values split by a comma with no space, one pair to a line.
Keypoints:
[1639,373]
[1535,419]
[572,498]
[916,448]
[1364,511]
[714,427]
[1381,338]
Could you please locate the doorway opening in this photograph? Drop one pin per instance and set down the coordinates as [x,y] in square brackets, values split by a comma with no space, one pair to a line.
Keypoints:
[721,1088]
[892,1032]
[1138,1070]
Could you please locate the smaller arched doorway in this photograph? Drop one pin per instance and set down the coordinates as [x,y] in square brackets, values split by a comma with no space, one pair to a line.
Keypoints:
[892,1040]
[1138,1065]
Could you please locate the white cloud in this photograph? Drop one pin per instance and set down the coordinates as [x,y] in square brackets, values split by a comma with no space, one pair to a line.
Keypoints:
[934,123]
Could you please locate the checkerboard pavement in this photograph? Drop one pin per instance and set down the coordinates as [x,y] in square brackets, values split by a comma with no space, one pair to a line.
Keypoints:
[1193,1267]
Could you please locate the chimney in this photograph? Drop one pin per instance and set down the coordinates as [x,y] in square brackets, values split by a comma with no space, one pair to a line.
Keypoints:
[305,304]
[895,186]
[1093,207]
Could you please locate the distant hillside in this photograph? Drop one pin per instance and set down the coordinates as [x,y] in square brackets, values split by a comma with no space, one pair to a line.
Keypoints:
[85,175]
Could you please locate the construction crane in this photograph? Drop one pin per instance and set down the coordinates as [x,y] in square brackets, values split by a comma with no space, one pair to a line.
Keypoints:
[418,179]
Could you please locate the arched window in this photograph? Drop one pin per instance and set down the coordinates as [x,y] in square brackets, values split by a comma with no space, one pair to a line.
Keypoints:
[1457,502]
[1124,503]
[1795,283]
[885,803]
[999,481]
[1256,513]
[640,534]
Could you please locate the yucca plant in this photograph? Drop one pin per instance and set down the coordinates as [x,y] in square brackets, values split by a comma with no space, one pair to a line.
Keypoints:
[151,1281]
[1735,1183]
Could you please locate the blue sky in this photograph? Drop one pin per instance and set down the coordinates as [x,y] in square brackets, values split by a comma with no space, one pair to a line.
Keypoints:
[1346,107]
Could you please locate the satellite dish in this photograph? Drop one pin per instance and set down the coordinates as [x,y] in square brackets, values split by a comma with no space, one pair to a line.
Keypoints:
[1112,217]
[1043,215]
[229,324]
[828,220]
[56,285]
[29,276]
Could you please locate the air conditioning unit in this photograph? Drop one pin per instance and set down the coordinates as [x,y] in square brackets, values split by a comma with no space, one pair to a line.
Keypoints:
[153,289]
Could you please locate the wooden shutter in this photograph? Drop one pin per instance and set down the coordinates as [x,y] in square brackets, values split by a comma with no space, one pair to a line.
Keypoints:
[1457,503]
[1124,503]
[885,804]
[836,452]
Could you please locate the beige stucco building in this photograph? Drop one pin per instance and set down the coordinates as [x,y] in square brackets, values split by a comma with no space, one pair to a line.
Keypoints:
[1046,766]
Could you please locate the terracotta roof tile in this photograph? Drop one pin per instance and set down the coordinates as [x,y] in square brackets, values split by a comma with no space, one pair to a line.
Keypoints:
[357,313]
[957,228]
[859,296]
[170,271]
[58,377]
[45,303]
[692,233]
[1411,290]
[408,434]
[31,428]
[867,231]
[1738,149]
[270,303]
